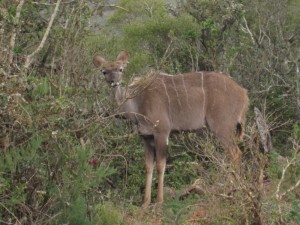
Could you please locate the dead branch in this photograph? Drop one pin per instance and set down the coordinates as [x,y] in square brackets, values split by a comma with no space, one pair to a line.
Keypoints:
[30,57]
[196,189]
[264,131]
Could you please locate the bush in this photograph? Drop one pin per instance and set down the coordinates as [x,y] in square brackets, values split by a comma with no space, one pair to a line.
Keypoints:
[106,214]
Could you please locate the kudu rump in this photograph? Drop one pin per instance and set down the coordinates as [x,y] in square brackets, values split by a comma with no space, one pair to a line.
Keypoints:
[186,102]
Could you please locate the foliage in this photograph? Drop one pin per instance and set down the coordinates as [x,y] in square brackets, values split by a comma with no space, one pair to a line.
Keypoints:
[107,214]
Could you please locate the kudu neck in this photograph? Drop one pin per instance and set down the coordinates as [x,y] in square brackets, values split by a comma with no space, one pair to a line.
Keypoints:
[125,103]
[119,95]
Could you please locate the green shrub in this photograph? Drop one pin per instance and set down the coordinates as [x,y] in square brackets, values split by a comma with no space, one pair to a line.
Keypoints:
[106,214]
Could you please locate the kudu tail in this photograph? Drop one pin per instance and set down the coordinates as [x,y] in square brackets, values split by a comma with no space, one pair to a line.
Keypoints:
[239,131]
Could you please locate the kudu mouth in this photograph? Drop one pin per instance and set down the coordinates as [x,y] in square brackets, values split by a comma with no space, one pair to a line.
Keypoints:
[113,83]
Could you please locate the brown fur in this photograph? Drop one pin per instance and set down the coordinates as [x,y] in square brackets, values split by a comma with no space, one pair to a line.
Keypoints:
[163,103]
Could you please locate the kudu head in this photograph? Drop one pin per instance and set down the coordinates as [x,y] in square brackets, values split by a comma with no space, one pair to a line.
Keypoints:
[113,71]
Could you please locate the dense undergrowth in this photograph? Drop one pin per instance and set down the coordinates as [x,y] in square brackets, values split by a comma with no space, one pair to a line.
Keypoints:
[64,157]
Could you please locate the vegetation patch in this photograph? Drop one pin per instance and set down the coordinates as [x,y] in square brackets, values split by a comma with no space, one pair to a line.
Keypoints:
[67,158]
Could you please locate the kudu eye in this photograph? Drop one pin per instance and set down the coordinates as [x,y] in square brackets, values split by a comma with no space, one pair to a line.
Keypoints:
[104,72]
[121,70]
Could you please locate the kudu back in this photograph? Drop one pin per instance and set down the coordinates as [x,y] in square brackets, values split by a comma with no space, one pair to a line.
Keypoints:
[161,103]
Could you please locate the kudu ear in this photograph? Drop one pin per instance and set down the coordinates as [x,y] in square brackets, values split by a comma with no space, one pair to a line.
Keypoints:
[98,61]
[123,57]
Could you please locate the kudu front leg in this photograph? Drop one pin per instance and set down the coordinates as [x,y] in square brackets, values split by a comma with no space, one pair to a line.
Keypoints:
[161,149]
[149,163]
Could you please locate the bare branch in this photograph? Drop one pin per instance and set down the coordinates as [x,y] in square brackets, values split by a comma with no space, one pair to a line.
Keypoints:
[291,188]
[247,30]
[14,34]
[30,57]
[280,195]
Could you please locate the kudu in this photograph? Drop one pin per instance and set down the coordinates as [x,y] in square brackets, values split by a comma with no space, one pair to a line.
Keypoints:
[186,102]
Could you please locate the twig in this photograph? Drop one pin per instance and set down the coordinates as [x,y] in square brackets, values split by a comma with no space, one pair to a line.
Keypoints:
[17,221]
[115,6]
[278,195]
[30,57]
[109,5]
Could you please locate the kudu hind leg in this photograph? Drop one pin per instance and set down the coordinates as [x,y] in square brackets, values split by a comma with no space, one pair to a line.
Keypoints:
[149,164]
[232,150]
[226,138]
[225,132]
